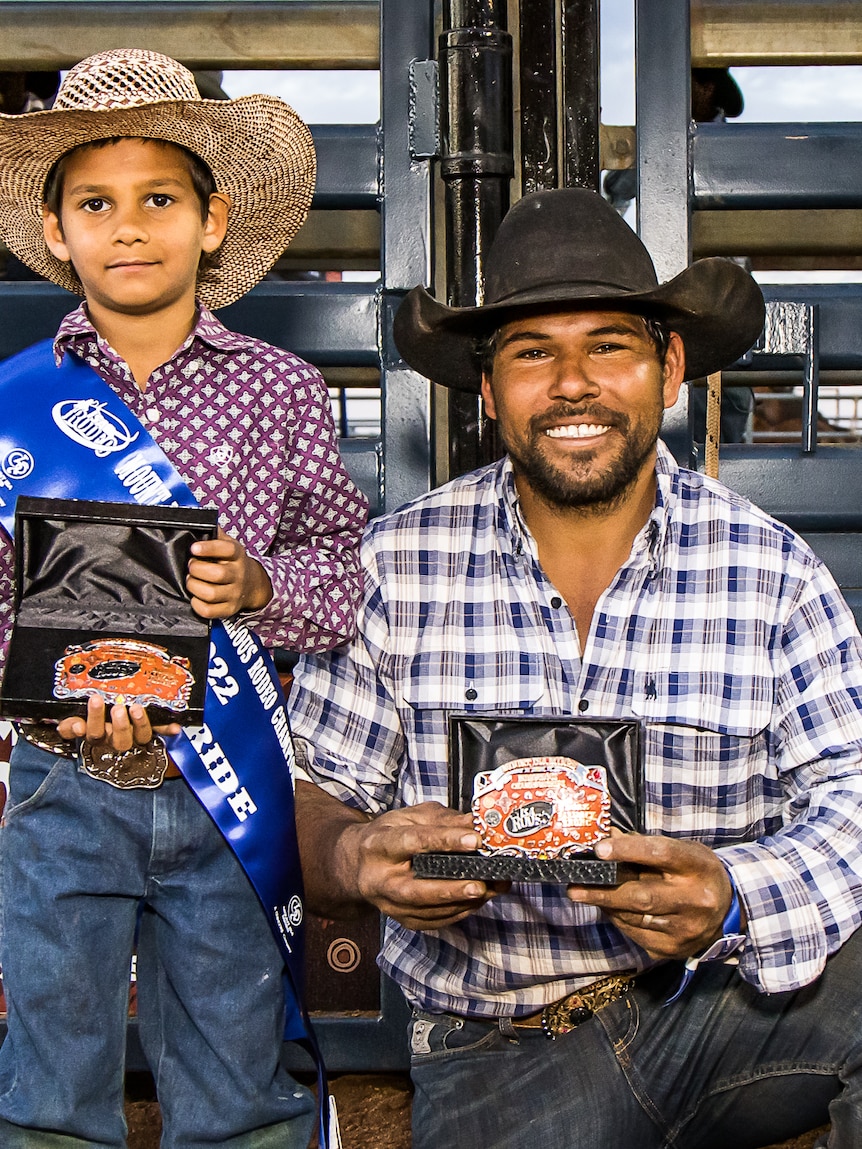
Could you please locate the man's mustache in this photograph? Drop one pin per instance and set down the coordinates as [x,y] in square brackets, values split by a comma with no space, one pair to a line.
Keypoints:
[590,413]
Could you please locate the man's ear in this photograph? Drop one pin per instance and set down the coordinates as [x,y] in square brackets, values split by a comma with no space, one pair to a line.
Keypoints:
[215,226]
[673,369]
[488,396]
[52,230]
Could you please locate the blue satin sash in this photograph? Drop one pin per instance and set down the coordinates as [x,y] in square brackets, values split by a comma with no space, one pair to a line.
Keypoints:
[65,434]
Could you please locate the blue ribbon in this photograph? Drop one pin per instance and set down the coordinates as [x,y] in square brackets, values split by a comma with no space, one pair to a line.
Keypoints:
[80,441]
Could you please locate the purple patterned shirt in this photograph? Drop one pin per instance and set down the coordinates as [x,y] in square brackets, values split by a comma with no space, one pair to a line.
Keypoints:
[248,426]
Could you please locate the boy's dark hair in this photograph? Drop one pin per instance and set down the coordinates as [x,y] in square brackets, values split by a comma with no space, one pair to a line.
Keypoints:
[658,332]
[202,178]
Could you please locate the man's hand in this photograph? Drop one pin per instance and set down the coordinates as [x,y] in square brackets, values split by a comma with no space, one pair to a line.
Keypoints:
[223,579]
[352,862]
[676,905]
[128,727]
[383,850]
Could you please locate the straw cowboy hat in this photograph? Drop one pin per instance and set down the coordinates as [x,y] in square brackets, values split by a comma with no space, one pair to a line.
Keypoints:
[259,151]
[569,248]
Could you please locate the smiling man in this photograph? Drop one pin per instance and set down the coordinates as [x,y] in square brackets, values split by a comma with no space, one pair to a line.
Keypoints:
[587,574]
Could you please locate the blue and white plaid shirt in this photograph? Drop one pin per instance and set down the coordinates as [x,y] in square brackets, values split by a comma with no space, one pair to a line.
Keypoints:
[723,633]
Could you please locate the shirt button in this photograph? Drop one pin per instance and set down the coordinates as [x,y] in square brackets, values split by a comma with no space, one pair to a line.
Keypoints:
[583,705]
[556,602]
[196,364]
[471,694]
[152,414]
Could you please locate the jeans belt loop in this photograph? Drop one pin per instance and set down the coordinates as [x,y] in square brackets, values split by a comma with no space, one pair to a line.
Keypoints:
[560,1017]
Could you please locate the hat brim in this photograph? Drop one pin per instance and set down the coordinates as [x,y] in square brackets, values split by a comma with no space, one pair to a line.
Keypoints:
[259,151]
[714,305]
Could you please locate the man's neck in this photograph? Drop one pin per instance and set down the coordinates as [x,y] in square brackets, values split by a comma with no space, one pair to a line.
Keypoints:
[144,342]
[582,549]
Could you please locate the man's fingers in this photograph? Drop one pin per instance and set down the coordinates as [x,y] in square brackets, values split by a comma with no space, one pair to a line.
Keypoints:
[672,855]
[400,842]
[425,905]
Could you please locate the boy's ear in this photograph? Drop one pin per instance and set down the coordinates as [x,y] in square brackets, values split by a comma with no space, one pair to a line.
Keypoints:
[52,230]
[215,227]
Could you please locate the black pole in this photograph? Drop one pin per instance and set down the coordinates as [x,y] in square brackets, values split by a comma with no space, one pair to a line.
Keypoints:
[537,76]
[476,167]
[580,47]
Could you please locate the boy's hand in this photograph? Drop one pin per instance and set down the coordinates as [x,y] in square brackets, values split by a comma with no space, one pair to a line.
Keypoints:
[128,726]
[223,579]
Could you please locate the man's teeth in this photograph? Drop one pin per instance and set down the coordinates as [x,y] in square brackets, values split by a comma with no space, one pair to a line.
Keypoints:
[577,431]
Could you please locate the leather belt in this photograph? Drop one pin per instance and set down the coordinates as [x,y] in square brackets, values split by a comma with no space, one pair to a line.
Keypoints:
[569,1012]
[141,768]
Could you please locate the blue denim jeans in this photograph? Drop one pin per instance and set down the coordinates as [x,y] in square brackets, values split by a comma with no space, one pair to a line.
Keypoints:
[722,1068]
[83,866]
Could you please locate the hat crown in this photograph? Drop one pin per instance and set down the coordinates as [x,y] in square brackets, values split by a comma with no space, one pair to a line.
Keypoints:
[568,239]
[124,78]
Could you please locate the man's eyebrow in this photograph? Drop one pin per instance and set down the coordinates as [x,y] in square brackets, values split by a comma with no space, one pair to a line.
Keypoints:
[593,333]
[524,337]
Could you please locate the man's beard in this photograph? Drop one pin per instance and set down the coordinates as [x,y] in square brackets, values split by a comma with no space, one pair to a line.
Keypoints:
[578,486]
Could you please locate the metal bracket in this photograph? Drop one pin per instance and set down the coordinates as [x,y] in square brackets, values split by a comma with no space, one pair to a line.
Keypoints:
[424,110]
[794,329]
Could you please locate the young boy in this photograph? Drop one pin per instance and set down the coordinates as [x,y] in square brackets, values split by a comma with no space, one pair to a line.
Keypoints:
[157,205]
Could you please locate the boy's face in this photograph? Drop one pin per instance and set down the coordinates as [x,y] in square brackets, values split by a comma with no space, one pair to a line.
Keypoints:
[130,222]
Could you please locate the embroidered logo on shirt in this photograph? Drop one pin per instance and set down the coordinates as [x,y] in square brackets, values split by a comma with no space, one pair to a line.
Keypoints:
[87,422]
[221,455]
[650,692]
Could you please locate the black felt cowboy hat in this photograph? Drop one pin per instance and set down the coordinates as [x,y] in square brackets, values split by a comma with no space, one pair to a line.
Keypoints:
[569,248]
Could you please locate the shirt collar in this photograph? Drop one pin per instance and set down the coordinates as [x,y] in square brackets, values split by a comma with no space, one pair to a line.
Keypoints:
[651,539]
[76,328]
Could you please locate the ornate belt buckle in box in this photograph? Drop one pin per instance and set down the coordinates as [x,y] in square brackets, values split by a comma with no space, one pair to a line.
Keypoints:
[137,671]
[550,807]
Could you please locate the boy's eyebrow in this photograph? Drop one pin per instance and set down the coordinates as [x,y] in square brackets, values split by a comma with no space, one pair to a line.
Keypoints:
[103,189]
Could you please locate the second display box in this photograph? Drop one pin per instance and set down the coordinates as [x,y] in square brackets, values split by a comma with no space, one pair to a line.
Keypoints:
[525,780]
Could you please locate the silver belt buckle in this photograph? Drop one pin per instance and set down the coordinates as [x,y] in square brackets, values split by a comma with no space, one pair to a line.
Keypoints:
[141,768]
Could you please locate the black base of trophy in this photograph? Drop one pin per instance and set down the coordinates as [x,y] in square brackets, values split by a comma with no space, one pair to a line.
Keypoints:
[504,867]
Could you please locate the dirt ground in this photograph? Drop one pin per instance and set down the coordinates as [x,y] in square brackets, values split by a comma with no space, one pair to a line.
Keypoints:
[373,1110]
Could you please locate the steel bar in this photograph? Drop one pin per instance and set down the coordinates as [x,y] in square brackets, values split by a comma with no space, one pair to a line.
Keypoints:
[476,166]
[776,165]
[201,33]
[332,324]
[816,234]
[751,32]
[537,77]
[407,35]
[579,42]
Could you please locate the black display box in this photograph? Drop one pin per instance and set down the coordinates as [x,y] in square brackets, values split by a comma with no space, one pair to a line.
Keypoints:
[482,742]
[91,572]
